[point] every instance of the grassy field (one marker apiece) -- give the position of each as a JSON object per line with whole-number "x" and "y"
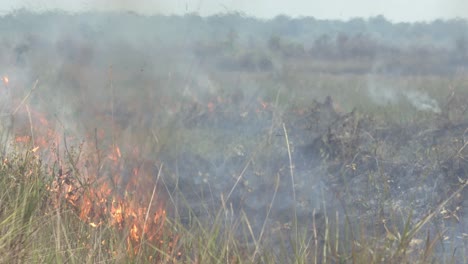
{"x": 122, "y": 152}
{"x": 43, "y": 223}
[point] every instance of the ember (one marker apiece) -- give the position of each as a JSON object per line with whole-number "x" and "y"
{"x": 5, "y": 80}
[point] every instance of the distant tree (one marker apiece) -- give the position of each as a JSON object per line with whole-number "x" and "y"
{"x": 356, "y": 25}
{"x": 281, "y": 19}
{"x": 20, "y": 51}
{"x": 286, "y": 49}
{"x": 379, "y": 25}
{"x": 274, "y": 43}
{"x": 232, "y": 38}
{"x": 461, "y": 49}
{"x": 379, "y": 21}
{"x": 342, "y": 45}
{"x": 286, "y": 26}
{"x": 323, "y": 46}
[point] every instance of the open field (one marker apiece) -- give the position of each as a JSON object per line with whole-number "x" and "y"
{"x": 126, "y": 141}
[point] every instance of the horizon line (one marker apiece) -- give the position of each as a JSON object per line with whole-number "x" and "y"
{"x": 23, "y": 10}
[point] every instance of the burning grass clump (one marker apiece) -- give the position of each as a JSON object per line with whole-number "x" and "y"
{"x": 53, "y": 214}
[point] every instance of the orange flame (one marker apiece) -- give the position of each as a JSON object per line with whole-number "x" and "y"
{"x": 22, "y": 139}
{"x": 264, "y": 104}
{"x": 5, "y": 80}
{"x": 115, "y": 155}
{"x": 94, "y": 197}
{"x": 139, "y": 219}
{"x": 211, "y": 107}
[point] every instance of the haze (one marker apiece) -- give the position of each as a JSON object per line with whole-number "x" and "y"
{"x": 398, "y": 10}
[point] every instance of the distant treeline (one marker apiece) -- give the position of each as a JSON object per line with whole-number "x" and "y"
{"x": 441, "y": 33}
{"x": 236, "y": 41}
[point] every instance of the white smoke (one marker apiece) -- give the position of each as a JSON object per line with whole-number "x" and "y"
{"x": 422, "y": 101}
{"x": 384, "y": 94}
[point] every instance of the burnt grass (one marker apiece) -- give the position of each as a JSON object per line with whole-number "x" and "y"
{"x": 350, "y": 168}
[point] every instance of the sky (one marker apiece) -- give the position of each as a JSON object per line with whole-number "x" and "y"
{"x": 395, "y": 10}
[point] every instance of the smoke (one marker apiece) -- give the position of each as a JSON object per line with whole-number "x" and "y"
{"x": 422, "y": 101}
{"x": 384, "y": 94}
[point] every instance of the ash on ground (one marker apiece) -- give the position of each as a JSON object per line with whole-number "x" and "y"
{"x": 346, "y": 167}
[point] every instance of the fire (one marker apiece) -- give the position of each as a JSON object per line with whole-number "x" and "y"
{"x": 211, "y": 107}
{"x": 105, "y": 184}
{"x": 22, "y": 139}
{"x": 115, "y": 155}
{"x": 135, "y": 211}
{"x": 262, "y": 106}
{"x": 5, "y": 80}
{"x": 99, "y": 190}
{"x": 134, "y": 234}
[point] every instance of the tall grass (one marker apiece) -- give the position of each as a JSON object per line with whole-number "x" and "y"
{"x": 35, "y": 229}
